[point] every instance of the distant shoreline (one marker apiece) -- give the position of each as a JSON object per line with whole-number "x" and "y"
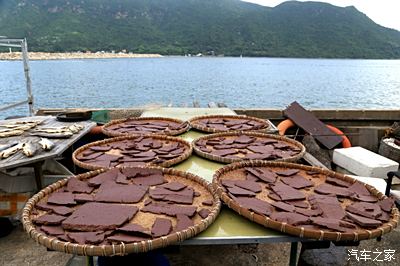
{"x": 73, "y": 55}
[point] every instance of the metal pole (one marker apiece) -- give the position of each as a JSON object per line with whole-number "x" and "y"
{"x": 25, "y": 59}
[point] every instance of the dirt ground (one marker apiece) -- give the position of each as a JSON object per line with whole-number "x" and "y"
{"x": 18, "y": 249}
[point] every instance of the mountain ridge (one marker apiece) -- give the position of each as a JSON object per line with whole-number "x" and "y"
{"x": 178, "y": 27}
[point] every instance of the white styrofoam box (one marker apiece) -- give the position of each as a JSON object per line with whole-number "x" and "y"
{"x": 363, "y": 162}
{"x": 377, "y": 183}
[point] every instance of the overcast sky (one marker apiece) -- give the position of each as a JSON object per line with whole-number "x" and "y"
{"x": 383, "y": 12}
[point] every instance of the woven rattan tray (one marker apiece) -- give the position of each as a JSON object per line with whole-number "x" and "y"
{"x": 109, "y": 130}
{"x": 166, "y": 140}
{"x": 198, "y": 184}
{"x": 237, "y": 171}
{"x": 292, "y": 158}
{"x": 194, "y": 122}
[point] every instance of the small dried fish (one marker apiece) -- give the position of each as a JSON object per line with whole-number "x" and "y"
{"x": 46, "y": 144}
{"x": 75, "y": 128}
{"x": 10, "y": 151}
{"x": 29, "y": 149}
{"x": 8, "y": 145}
{"x": 10, "y": 133}
{"x": 63, "y": 135}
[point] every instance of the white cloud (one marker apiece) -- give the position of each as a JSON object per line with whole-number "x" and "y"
{"x": 383, "y": 12}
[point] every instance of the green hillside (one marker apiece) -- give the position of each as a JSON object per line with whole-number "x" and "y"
{"x": 229, "y": 27}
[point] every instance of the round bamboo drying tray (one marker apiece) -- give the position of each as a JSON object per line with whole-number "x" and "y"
{"x": 119, "y": 249}
{"x": 112, "y": 133}
{"x": 356, "y": 235}
{"x": 199, "y": 127}
{"x": 167, "y": 163}
{"x": 221, "y": 159}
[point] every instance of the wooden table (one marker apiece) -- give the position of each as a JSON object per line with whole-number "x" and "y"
{"x": 36, "y": 161}
{"x": 229, "y": 227}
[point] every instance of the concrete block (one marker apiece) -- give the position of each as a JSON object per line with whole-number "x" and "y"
{"x": 363, "y": 162}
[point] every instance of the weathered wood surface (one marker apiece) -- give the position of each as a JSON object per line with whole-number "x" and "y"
{"x": 311, "y": 124}
{"x": 61, "y": 145}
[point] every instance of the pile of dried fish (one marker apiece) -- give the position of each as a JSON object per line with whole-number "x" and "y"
{"x": 57, "y": 132}
{"x": 17, "y": 128}
{"x": 28, "y": 148}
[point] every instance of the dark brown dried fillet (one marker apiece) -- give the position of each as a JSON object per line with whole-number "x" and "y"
{"x": 224, "y": 152}
{"x": 244, "y": 139}
{"x": 61, "y": 210}
{"x": 75, "y": 185}
{"x": 54, "y": 230}
{"x": 386, "y": 204}
{"x": 49, "y": 219}
{"x": 286, "y": 192}
{"x": 83, "y": 197}
{"x": 365, "y": 209}
{"x": 256, "y": 205}
{"x": 135, "y": 229}
{"x": 297, "y": 181}
{"x": 151, "y": 180}
{"x": 62, "y": 198}
{"x": 161, "y": 227}
{"x": 249, "y": 185}
{"x": 288, "y": 172}
{"x": 208, "y": 202}
{"x": 121, "y": 179}
{"x": 385, "y": 217}
{"x": 366, "y": 198}
{"x": 112, "y": 192}
{"x": 204, "y": 213}
{"x": 309, "y": 212}
{"x": 86, "y": 237}
{"x": 169, "y": 209}
{"x": 290, "y": 218}
{"x": 329, "y": 205}
{"x": 298, "y": 203}
{"x": 283, "y": 206}
{"x": 329, "y": 223}
{"x": 93, "y": 216}
{"x": 359, "y": 189}
{"x": 91, "y": 156}
{"x": 363, "y": 221}
{"x": 237, "y": 191}
{"x": 100, "y": 148}
{"x": 265, "y": 175}
{"x": 328, "y": 189}
{"x": 274, "y": 196}
{"x": 174, "y": 186}
{"x": 337, "y": 182}
{"x": 261, "y": 149}
{"x": 109, "y": 175}
{"x": 183, "y": 222}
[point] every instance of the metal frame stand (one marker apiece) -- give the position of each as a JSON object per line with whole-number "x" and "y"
{"x": 20, "y": 43}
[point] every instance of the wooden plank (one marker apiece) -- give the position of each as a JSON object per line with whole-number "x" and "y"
{"x": 313, "y": 161}
{"x": 61, "y": 145}
{"x": 312, "y": 125}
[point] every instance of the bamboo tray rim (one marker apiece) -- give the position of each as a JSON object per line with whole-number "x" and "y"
{"x": 118, "y": 249}
{"x": 167, "y": 163}
{"x": 247, "y": 133}
{"x": 359, "y": 234}
{"x": 112, "y": 133}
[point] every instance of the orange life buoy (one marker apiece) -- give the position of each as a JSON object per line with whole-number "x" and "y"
{"x": 96, "y": 130}
{"x": 285, "y": 124}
